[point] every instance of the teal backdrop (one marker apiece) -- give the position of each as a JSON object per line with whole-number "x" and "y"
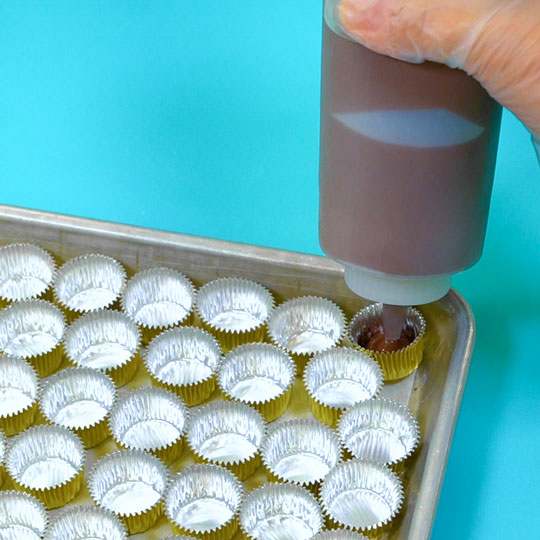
{"x": 202, "y": 117}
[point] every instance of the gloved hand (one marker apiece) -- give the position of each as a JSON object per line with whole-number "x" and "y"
{"x": 496, "y": 41}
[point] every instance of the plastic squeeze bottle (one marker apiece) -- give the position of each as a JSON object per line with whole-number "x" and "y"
{"x": 407, "y": 158}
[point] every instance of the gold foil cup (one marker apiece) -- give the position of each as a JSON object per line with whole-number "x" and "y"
{"x": 86, "y": 523}
{"x": 19, "y": 389}
{"x": 131, "y": 484}
{"x": 22, "y": 517}
{"x": 79, "y": 399}
{"x": 235, "y": 310}
{"x": 88, "y": 283}
{"x": 339, "y": 535}
{"x": 229, "y": 434}
{"x": 300, "y": 451}
{"x": 260, "y": 375}
{"x": 380, "y": 430}
{"x": 395, "y": 365}
{"x": 159, "y": 298}
{"x": 184, "y": 360}
{"x": 150, "y": 419}
{"x": 176, "y": 537}
{"x": 337, "y": 379}
{"x": 203, "y": 501}
{"x": 305, "y": 326}
{"x": 361, "y": 495}
{"x": 26, "y": 272}
{"x": 33, "y": 329}
{"x": 105, "y": 340}
{"x": 47, "y": 462}
{"x": 283, "y": 511}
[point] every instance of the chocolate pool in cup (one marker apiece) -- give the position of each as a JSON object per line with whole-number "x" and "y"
{"x": 105, "y": 340}
{"x": 203, "y": 501}
{"x": 283, "y": 511}
{"x": 22, "y": 517}
{"x": 79, "y": 399}
{"x": 158, "y": 298}
{"x": 88, "y": 282}
{"x": 131, "y": 484}
{"x": 47, "y": 462}
{"x": 185, "y": 361}
{"x": 260, "y": 375}
{"x": 33, "y": 329}
{"x": 235, "y": 310}
{"x": 337, "y": 379}
{"x": 150, "y": 419}
{"x": 229, "y": 434}
{"x": 26, "y": 272}
{"x": 86, "y": 523}
{"x": 361, "y": 495}
{"x": 305, "y": 326}
{"x": 19, "y": 389}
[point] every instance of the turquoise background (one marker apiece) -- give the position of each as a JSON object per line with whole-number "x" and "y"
{"x": 202, "y": 117}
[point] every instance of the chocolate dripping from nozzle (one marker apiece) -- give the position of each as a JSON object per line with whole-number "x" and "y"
{"x": 393, "y": 318}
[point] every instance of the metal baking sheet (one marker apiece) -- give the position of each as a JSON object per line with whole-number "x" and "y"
{"x": 433, "y": 393}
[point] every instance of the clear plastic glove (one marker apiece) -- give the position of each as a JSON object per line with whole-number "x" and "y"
{"x": 496, "y": 41}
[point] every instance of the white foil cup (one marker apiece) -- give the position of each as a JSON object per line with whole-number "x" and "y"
{"x": 33, "y": 329}
{"x": 235, "y": 310}
{"x": 47, "y": 462}
{"x": 379, "y": 430}
{"x": 280, "y": 511}
{"x": 361, "y": 495}
{"x": 300, "y": 451}
{"x": 150, "y": 419}
{"x": 229, "y": 434}
{"x": 204, "y": 500}
{"x": 26, "y": 272}
{"x": 89, "y": 282}
{"x": 86, "y": 523}
{"x": 19, "y": 389}
{"x": 3, "y": 444}
{"x": 106, "y": 340}
{"x": 305, "y": 326}
{"x": 22, "y": 517}
{"x": 260, "y": 375}
{"x": 131, "y": 484}
{"x": 339, "y": 535}
{"x": 339, "y": 378}
{"x": 79, "y": 399}
{"x": 159, "y": 298}
{"x": 184, "y": 360}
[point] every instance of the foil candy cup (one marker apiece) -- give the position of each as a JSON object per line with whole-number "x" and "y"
{"x": 21, "y": 516}
{"x": 305, "y": 326}
{"x": 337, "y": 379}
{"x": 339, "y": 535}
{"x": 283, "y": 511}
{"x": 260, "y": 375}
{"x": 86, "y": 523}
{"x": 3, "y": 444}
{"x": 379, "y": 430}
{"x": 204, "y": 500}
{"x": 33, "y": 329}
{"x": 235, "y": 310}
{"x": 79, "y": 399}
{"x": 87, "y": 283}
{"x": 105, "y": 340}
{"x": 131, "y": 484}
{"x": 19, "y": 390}
{"x": 300, "y": 451}
{"x": 158, "y": 298}
{"x": 184, "y": 360}
{"x": 395, "y": 365}
{"x": 26, "y": 272}
{"x": 176, "y": 537}
{"x": 361, "y": 495}
{"x": 229, "y": 434}
{"x": 150, "y": 419}
{"x": 47, "y": 462}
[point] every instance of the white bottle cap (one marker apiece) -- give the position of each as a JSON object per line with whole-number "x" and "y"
{"x": 395, "y": 290}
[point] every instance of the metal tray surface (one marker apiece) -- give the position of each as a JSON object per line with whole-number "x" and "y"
{"x": 434, "y": 392}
